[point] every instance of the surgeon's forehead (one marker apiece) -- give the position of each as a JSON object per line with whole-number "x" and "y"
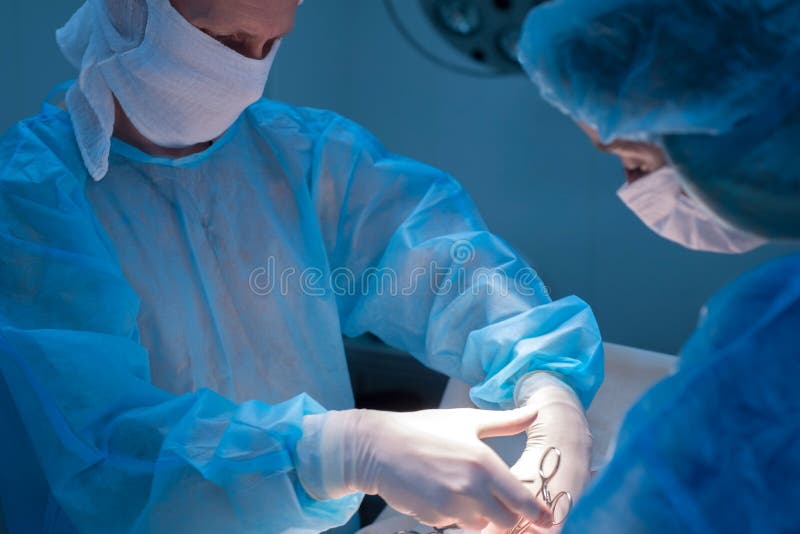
{"x": 259, "y": 18}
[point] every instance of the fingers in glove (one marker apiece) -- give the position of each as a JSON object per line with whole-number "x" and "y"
{"x": 432, "y": 519}
{"x": 505, "y": 423}
{"x": 513, "y": 494}
{"x": 476, "y": 523}
{"x": 497, "y": 513}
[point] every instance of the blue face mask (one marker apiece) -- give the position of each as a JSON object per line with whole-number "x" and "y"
{"x": 660, "y": 201}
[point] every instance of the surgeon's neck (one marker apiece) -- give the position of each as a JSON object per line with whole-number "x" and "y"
{"x": 124, "y": 130}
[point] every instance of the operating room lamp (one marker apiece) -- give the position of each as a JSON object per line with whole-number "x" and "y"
{"x": 483, "y": 33}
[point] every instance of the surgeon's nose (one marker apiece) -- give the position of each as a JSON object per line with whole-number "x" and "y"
{"x": 253, "y": 48}
{"x": 266, "y": 48}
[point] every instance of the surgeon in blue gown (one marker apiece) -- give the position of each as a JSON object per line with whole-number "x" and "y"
{"x": 179, "y": 259}
{"x": 701, "y": 100}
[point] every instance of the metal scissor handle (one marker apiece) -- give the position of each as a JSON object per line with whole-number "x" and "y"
{"x": 543, "y": 461}
{"x": 554, "y": 506}
{"x": 545, "y": 476}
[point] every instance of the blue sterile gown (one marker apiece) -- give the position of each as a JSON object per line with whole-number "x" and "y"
{"x": 164, "y": 331}
{"x": 716, "y": 447}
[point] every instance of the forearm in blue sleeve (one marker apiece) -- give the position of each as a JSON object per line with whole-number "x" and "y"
{"x": 432, "y": 280}
{"x": 119, "y": 454}
{"x": 122, "y": 455}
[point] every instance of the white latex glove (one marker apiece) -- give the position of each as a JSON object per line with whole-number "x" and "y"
{"x": 430, "y": 464}
{"x": 560, "y": 423}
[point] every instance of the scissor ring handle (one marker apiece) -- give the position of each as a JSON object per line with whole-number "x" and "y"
{"x": 553, "y": 471}
{"x": 554, "y": 506}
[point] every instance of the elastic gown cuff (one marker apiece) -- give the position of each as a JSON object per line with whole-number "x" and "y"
{"x": 321, "y": 458}
{"x": 533, "y": 387}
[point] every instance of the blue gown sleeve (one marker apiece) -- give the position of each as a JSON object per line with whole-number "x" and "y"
{"x": 413, "y": 263}
{"x": 119, "y": 454}
{"x": 716, "y": 447}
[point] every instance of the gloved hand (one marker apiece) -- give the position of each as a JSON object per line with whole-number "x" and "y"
{"x": 560, "y": 423}
{"x": 429, "y": 464}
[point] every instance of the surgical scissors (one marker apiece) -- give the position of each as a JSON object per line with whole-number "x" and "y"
{"x": 545, "y": 475}
{"x": 552, "y": 502}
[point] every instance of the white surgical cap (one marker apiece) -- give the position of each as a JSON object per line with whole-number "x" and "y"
{"x": 98, "y": 31}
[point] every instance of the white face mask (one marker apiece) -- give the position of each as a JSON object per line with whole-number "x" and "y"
{"x": 659, "y": 200}
{"x": 180, "y": 87}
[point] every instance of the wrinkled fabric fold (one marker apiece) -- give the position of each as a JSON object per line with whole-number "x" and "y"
{"x": 723, "y": 433}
